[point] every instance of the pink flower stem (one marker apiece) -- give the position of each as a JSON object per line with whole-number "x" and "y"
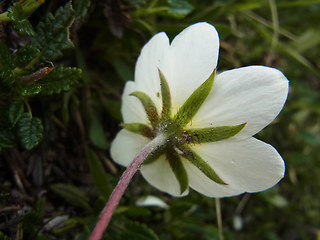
{"x": 123, "y": 183}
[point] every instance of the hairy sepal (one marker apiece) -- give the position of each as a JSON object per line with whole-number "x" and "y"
{"x": 138, "y": 128}
{"x": 149, "y": 106}
{"x": 213, "y": 134}
{"x": 191, "y": 106}
{"x": 202, "y": 165}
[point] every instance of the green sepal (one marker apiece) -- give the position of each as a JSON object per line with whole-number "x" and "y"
{"x": 149, "y": 106}
{"x": 194, "y": 102}
{"x": 178, "y": 170}
{"x": 138, "y": 128}
{"x": 212, "y": 134}
{"x": 202, "y": 165}
{"x": 166, "y": 96}
{"x": 153, "y": 156}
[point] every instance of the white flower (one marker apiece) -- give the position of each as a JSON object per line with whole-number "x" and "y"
{"x": 210, "y": 146}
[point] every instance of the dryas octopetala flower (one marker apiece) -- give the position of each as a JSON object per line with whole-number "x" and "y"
{"x": 208, "y": 118}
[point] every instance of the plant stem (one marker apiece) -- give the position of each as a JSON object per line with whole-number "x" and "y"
{"x": 219, "y": 218}
{"x": 124, "y": 181}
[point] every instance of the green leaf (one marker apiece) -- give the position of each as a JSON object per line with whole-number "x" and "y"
{"x": 138, "y": 128}
{"x": 100, "y": 178}
{"x": 148, "y": 105}
{"x": 132, "y": 230}
{"x": 166, "y": 96}
{"x": 213, "y": 134}
{"x": 59, "y": 79}
{"x": 52, "y": 35}
{"x": 72, "y": 195}
{"x": 178, "y": 170}
{"x": 19, "y": 18}
{"x": 30, "y": 90}
{"x": 6, "y": 64}
{"x": 194, "y": 102}
{"x": 96, "y": 133}
{"x": 15, "y": 112}
{"x": 202, "y": 165}
{"x": 81, "y": 8}
{"x": 25, "y": 54}
{"x": 179, "y": 8}
{"x": 7, "y": 138}
{"x": 29, "y": 131}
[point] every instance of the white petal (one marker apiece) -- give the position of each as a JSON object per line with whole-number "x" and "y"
{"x": 131, "y": 108}
{"x": 192, "y": 57}
{"x": 126, "y": 146}
{"x": 146, "y": 71}
{"x": 254, "y": 95}
{"x": 151, "y": 201}
{"x": 160, "y": 175}
{"x": 247, "y": 165}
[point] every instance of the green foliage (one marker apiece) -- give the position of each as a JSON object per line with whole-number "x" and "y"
{"x": 59, "y": 79}
{"x": 81, "y": 8}
{"x": 100, "y": 178}
{"x": 19, "y": 19}
{"x": 24, "y": 71}
{"x": 132, "y": 230}
{"x": 15, "y": 112}
{"x": 40, "y": 88}
{"x": 6, "y": 65}
{"x": 72, "y": 195}
{"x": 53, "y": 34}
{"x": 29, "y": 131}
{"x": 179, "y": 8}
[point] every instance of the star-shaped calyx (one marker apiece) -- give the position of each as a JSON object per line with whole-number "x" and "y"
{"x": 178, "y": 146}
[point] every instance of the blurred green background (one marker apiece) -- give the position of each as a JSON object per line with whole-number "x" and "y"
{"x": 53, "y": 186}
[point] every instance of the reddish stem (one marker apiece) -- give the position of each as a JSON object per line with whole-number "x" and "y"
{"x": 123, "y": 183}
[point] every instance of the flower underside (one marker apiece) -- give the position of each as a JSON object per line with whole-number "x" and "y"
{"x": 179, "y": 140}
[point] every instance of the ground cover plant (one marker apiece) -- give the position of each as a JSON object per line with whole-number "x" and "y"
{"x": 63, "y": 67}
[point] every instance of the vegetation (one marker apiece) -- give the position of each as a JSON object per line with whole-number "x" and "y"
{"x": 63, "y": 66}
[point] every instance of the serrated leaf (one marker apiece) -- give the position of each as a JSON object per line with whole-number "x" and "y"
{"x": 20, "y": 22}
{"x": 30, "y": 90}
{"x": 6, "y": 64}
{"x": 52, "y": 35}
{"x": 71, "y": 194}
{"x": 29, "y": 131}
{"x": 81, "y": 8}
{"x": 25, "y": 54}
{"x": 179, "y": 8}
{"x": 15, "y": 112}
{"x": 59, "y": 79}
{"x": 100, "y": 178}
